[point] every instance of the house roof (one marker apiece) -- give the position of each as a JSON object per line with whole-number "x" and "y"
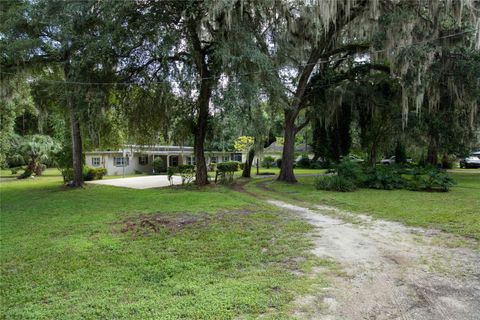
{"x": 154, "y": 149}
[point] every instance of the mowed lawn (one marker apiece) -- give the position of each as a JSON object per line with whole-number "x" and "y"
{"x": 113, "y": 253}
{"x": 457, "y": 211}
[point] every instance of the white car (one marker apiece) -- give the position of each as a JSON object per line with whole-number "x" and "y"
{"x": 391, "y": 160}
{"x": 388, "y": 161}
{"x": 472, "y": 161}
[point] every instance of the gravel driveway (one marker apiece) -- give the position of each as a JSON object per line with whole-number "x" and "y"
{"x": 392, "y": 271}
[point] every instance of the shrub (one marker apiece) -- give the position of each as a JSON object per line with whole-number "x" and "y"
{"x": 90, "y": 174}
{"x": 431, "y": 179}
{"x": 15, "y": 170}
{"x": 278, "y": 162}
{"x": 101, "y": 172}
{"x": 186, "y": 172}
{"x": 334, "y": 183}
{"x": 384, "y": 177}
{"x": 159, "y": 166}
{"x": 268, "y": 162}
{"x": 226, "y": 170}
{"x": 241, "y": 165}
{"x": 304, "y": 162}
{"x": 67, "y": 174}
{"x": 352, "y": 171}
{"x": 212, "y": 167}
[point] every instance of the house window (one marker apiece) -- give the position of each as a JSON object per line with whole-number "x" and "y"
{"x": 143, "y": 160}
{"x": 237, "y": 157}
{"x": 213, "y": 159}
{"x": 173, "y": 161}
{"x": 95, "y": 161}
{"x": 191, "y": 161}
{"x": 120, "y": 162}
{"x": 226, "y": 158}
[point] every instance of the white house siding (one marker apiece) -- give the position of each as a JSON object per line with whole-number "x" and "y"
{"x": 107, "y": 158}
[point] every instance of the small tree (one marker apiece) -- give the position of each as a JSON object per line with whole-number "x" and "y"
{"x": 268, "y": 162}
{"x": 35, "y": 149}
{"x": 243, "y": 143}
{"x": 226, "y": 170}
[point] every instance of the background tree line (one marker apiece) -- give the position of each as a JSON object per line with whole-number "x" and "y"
{"x": 349, "y": 75}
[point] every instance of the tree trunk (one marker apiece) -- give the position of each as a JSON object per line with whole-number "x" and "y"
{"x": 248, "y": 163}
{"x": 251, "y": 154}
{"x": 372, "y": 157}
{"x": 432, "y": 153}
{"x": 288, "y": 156}
{"x": 30, "y": 169}
{"x": 77, "y": 156}
{"x": 201, "y": 173}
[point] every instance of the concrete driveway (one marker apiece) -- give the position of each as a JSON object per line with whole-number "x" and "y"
{"x": 143, "y": 182}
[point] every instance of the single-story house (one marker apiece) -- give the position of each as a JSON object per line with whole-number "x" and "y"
{"x": 135, "y": 158}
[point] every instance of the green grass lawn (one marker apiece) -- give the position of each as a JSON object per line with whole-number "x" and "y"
{"x": 457, "y": 211}
{"x": 106, "y": 252}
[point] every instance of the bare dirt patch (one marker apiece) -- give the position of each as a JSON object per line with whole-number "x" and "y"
{"x": 389, "y": 273}
{"x": 145, "y": 224}
{"x": 154, "y": 223}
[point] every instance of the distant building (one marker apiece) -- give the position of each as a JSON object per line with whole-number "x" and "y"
{"x": 134, "y": 158}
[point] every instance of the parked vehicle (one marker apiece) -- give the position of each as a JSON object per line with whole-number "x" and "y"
{"x": 388, "y": 161}
{"x": 353, "y": 158}
{"x": 471, "y": 161}
{"x": 391, "y": 160}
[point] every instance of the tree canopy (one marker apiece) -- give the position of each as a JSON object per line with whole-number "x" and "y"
{"x": 348, "y": 74}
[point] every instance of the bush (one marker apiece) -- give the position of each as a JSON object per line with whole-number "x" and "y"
{"x": 241, "y": 165}
{"x": 171, "y": 171}
{"x": 268, "y": 162}
{"x": 304, "y": 162}
{"x": 385, "y": 177}
{"x": 334, "y": 183}
{"x": 101, "y": 172}
{"x": 431, "y": 179}
{"x": 186, "y": 172}
{"x": 212, "y": 167}
{"x": 159, "y": 166}
{"x": 352, "y": 171}
{"x": 90, "y": 174}
{"x": 15, "y": 170}
{"x": 226, "y": 170}
{"x": 67, "y": 174}
{"x": 278, "y": 162}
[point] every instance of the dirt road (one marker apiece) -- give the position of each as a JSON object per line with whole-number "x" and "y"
{"x": 392, "y": 271}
